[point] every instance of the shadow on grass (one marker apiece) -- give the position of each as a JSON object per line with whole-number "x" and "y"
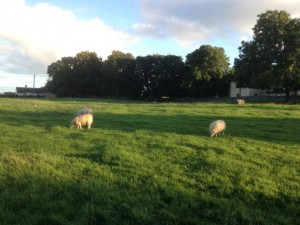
{"x": 45, "y": 119}
{"x": 94, "y": 154}
{"x": 279, "y": 130}
{"x": 264, "y": 129}
{"x": 96, "y": 100}
{"x": 87, "y": 197}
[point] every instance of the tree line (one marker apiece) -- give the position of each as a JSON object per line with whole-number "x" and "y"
{"x": 204, "y": 74}
{"x": 270, "y": 61}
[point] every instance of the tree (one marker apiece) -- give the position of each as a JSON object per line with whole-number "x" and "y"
{"x": 245, "y": 67}
{"x": 119, "y": 73}
{"x": 170, "y": 78}
{"x": 159, "y": 75}
{"x": 208, "y": 66}
{"x": 78, "y": 76}
{"x": 60, "y": 76}
{"x": 272, "y": 58}
{"x": 87, "y": 76}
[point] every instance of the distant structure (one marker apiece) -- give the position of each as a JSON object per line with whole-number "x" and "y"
{"x": 245, "y": 92}
{"x": 33, "y": 92}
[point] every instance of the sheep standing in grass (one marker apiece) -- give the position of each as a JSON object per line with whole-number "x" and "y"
{"x": 85, "y": 111}
{"x": 82, "y": 120}
{"x": 240, "y": 101}
{"x": 217, "y": 127}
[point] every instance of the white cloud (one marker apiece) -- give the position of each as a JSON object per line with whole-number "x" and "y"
{"x": 148, "y": 29}
{"x": 193, "y": 21}
{"x": 31, "y": 38}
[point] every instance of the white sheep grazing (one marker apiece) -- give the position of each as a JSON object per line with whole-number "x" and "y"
{"x": 240, "y": 101}
{"x": 85, "y": 111}
{"x": 217, "y": 127}
{"x": 82, "y": 120}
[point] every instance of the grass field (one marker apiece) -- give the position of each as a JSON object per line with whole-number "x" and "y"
{"x": 148, "y": 163}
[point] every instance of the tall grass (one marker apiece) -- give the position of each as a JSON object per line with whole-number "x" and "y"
{"x": 148, "y": 163}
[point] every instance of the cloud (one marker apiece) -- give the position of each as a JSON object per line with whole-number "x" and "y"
{"x": 31, "y": 38}
{"x": 148, "y": 29}
{"x": 192, "y": 21}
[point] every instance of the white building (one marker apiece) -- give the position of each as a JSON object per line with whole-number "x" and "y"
{"x": 245, "y": 92}
{"x": 33, "y": 92}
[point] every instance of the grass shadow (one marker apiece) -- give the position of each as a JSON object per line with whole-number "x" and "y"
{"x": 94, "y": 197}
{"x": 279, "y": 130}
{"x": 46, "y": 119}
{"x": 96, "y": 100}
{"x": 263, "y": 129}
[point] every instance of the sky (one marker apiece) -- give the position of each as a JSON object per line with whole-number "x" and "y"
{"x": 36, "y": 33}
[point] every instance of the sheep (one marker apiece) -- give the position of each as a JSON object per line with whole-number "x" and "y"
{"x": 79, "y": 121}
{"x": 240, "y": 101}
{"x": 217, "y": 127}
{"x": 85, "y": 111}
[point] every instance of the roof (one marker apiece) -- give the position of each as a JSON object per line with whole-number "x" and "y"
{"x": 31, "y": 90}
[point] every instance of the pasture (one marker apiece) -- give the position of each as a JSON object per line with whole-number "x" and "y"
{"x": 148, "y": 163}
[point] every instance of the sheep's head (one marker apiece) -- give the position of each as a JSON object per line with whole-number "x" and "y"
{"x": 73, "y": 123}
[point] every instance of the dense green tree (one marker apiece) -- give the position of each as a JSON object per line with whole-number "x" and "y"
{"x": 271, "y": 60}
{"x": 119, "y": 73}
{"x": 60, "y": 76}
{"x": 88, "y": 75}
{"x": 159, "y": 75}
{"x": 78, "y": 76}
{"x": 245, "y": 67}
{"x": 152, "y": 76}
{"x": 171, "y": 76}
{"x": 208, "y": 66}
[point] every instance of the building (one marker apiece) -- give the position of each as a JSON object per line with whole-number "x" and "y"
{"x": 245, "y": 92}
{"x": 33, "y": 92}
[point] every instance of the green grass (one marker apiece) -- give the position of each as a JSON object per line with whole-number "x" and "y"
{"x": 147, "y": 163}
